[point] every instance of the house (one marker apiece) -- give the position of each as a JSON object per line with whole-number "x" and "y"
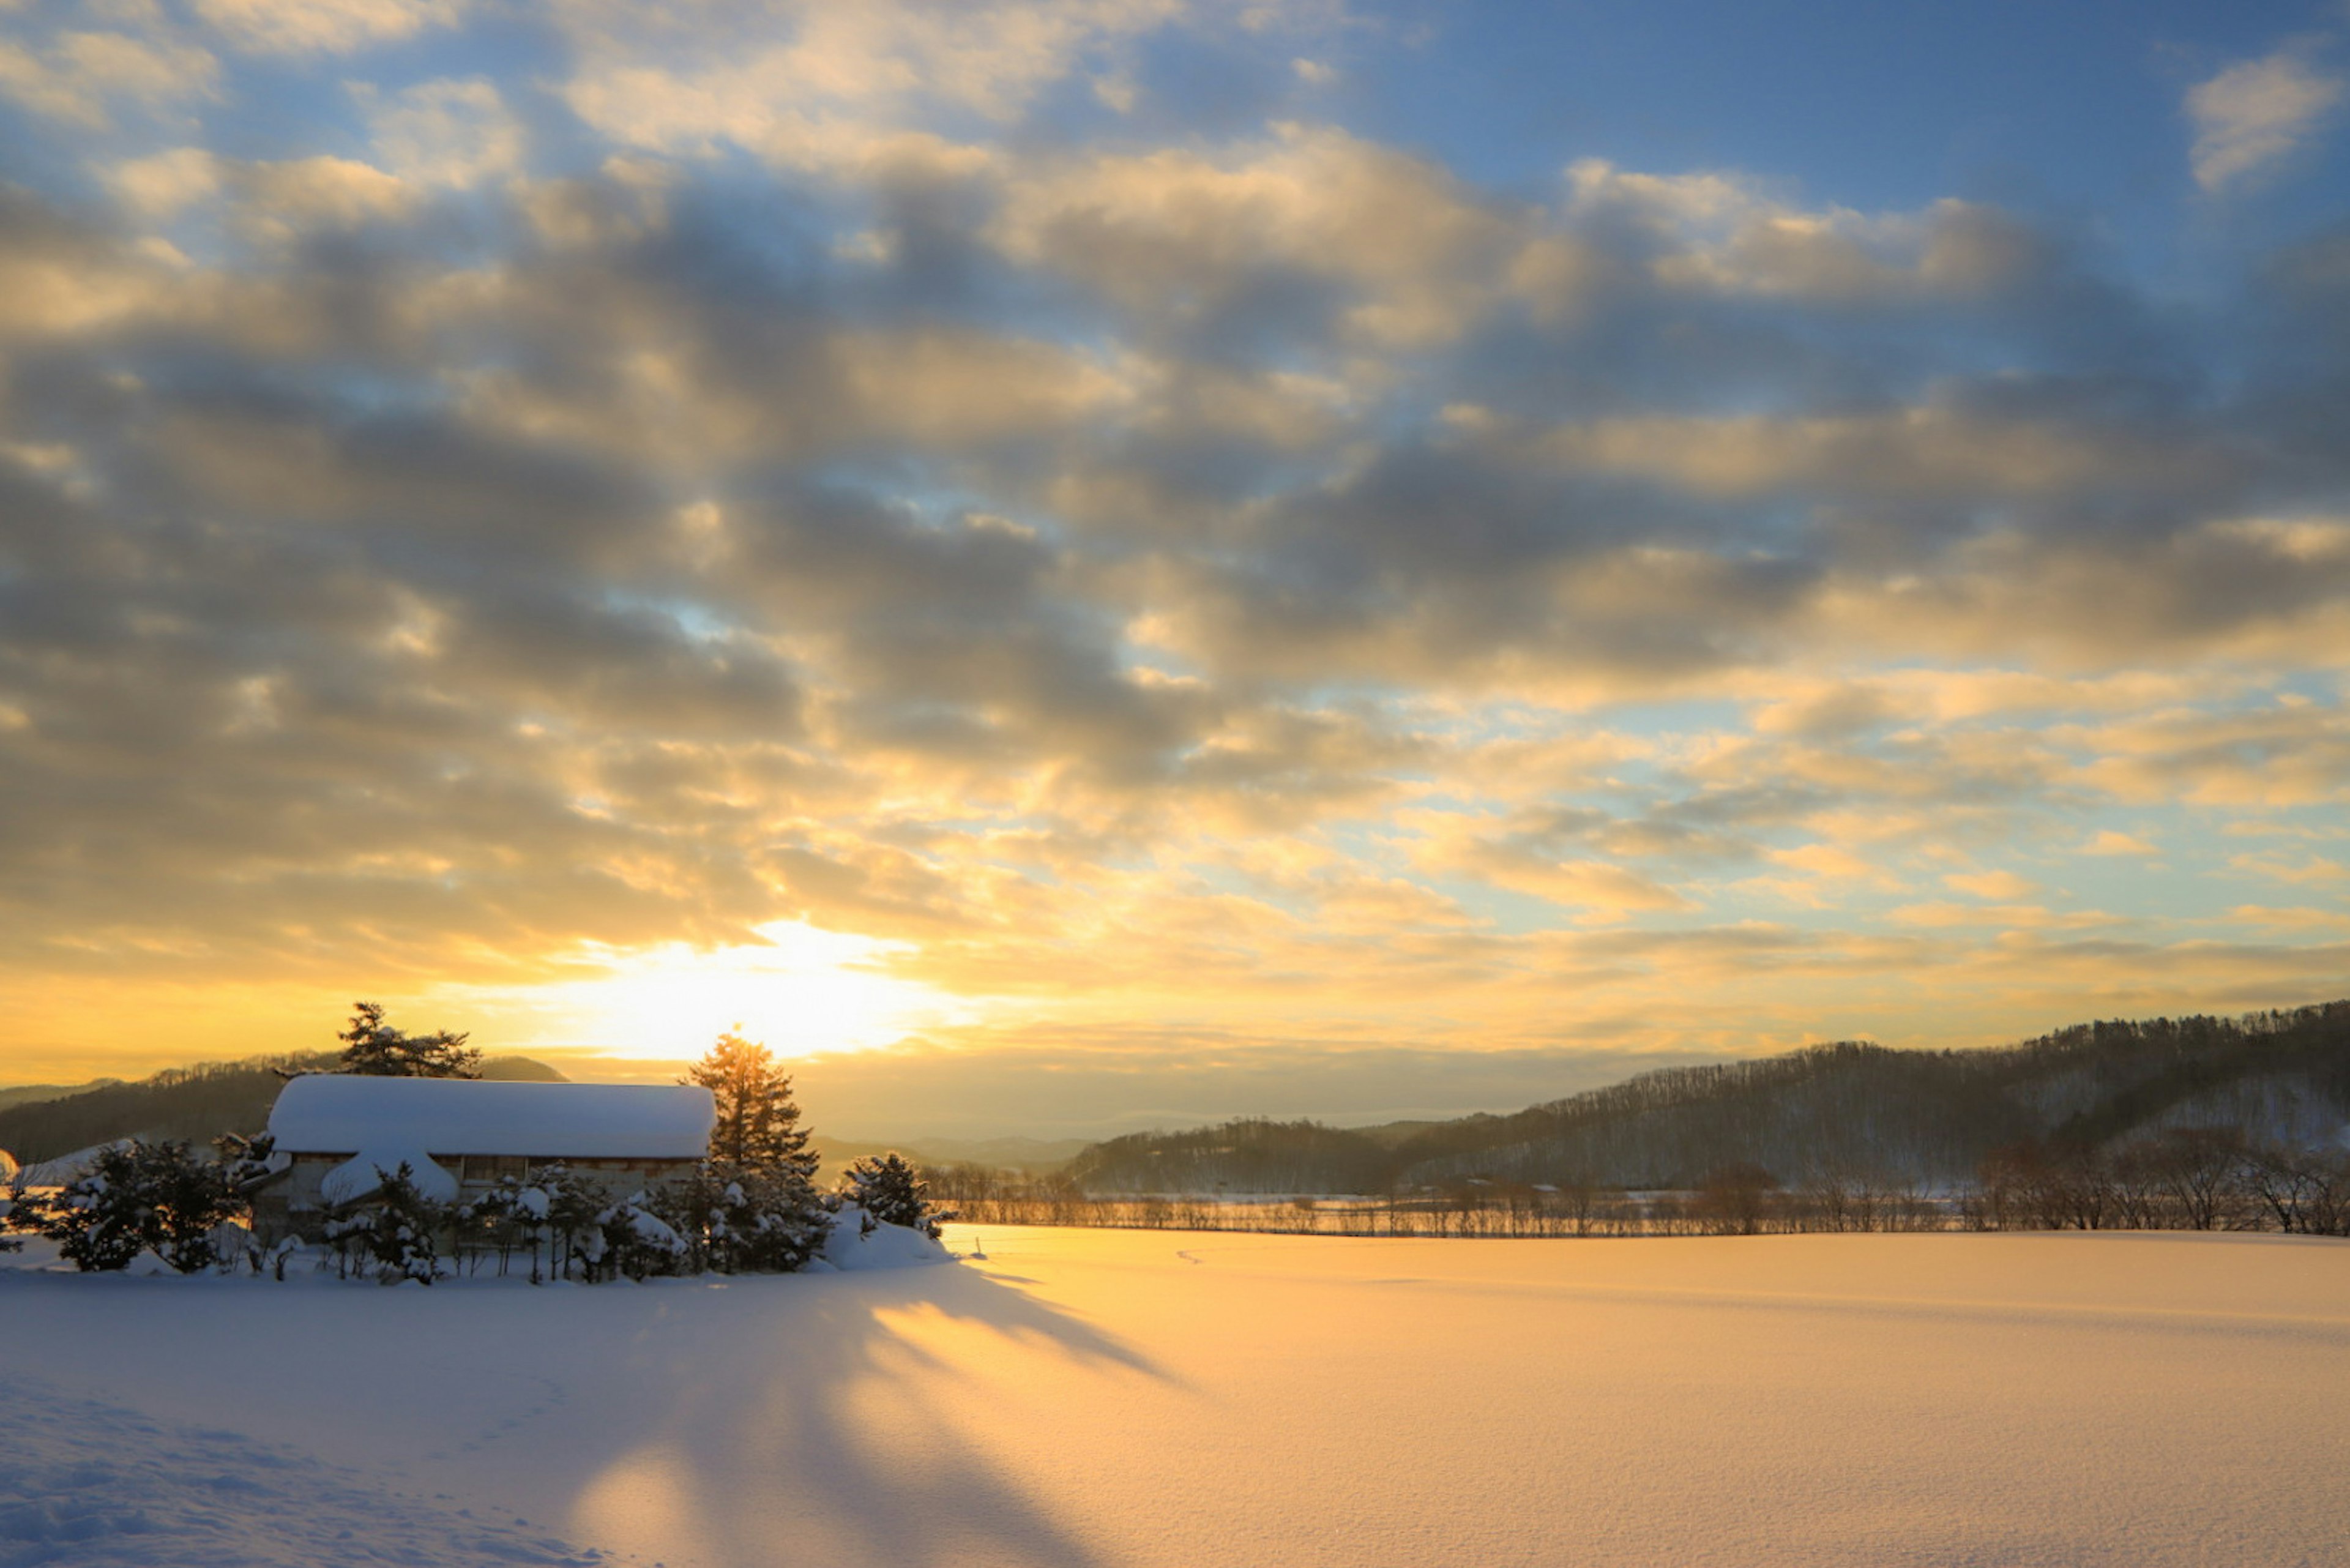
{"x": 460, "y": 1136}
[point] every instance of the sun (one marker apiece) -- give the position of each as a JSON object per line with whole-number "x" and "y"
{"x": 802, "y": 991}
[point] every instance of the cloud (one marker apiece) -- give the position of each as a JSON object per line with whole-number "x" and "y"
{"x": 60, "y": 277}
{"x": 162, "y": 184}
{"x": 1526, "y": 860}
{"x": 1188, "y": 578}
{"x": 1992, "y": 884}
{"x": 1413, "y": 256}
{"x": 2315, "y": 870}
{"x": 82, "y": 80}
{"x": 2289, "y": 754}
{"x": 450, "y": 132}
{"x": 325, "y": 26}
{"x": 1922, "y": 452}
{"x": 815, "y": 86}
{"x": 1721, "y": 233}
{"x": 2253, "y": 115}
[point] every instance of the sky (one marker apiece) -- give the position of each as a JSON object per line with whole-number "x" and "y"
{"x": 1078, "y": 563}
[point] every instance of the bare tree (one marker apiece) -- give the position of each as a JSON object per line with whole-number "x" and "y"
{"x": 2202, "y": 1171}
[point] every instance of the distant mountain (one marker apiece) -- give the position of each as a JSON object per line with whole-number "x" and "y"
{"x": 18, "y": 1094}
{"x": 194, "y": 1104}
{"x": 1248, "y": 1155}
{"x": 520, "y": 1070}
{"x": 1037, "y": 1157}
{"x": 1926, "y": 1115}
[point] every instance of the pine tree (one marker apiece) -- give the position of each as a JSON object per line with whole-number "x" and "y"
{"x": 137, "y": 1198}
{"x": 554, "y": 1210}
{"x": 395, "y": 1227}
{"x": 373, "y": 1048}
{"x": 758, "y": 1129}
{"x": 638, "y": 1242}
{"x": 246, "y": 1158}
{"x": 892, "y": 1192}
{"x": 738, "y": 1222}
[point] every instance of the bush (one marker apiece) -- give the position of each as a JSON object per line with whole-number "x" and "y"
{"x": 559, "y": 1214}
{"x": 744, "y": 1221}
{"x": 395, "y": 1228}
{"x": 637, "y": 1242}
{"x": 138, "y": 1198}
{"x": 890, "y": 1192}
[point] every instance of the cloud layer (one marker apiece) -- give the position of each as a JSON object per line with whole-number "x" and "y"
{"x": 481, "y": 497}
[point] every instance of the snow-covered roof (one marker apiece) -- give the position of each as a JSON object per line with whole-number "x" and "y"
{"x": 325, "y": 1113}
{"x": 364, "y": 1172}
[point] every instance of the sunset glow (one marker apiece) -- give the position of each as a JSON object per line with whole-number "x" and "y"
{"x": 802, "y": 991}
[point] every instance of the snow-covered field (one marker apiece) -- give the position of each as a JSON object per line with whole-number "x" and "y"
{"x": 1082, "y": 1399}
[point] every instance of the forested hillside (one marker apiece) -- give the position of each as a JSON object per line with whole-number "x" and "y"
{"x": 1918, "y": 1116}
{"x": 1238, "y": 1156}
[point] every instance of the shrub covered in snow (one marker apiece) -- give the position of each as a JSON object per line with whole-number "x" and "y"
{"x": 246, "y": 1160}
{"x": 557, "y": 1214}
{"x": 858, "y": 1241}
{"x": 638, "y": 1242}
{"x": 394, "y": 1231}
{"x": 887, "y": 1190}
{"x": 739, "y": 1221}
{"x": 135, "y": 1198}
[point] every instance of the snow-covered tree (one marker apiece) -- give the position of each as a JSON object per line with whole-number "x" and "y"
{"x": 758, "y": 1130}
{"x": 373, "y": 1048}
{"x": 637, "y": 1242}
{"x": 890, "y": 1192}
{"x": 557, "y": 1212}
{"x": 245, "y": 1159}
{"x": 739, "y": 1221}
{"x": 395, "y": 1228}
{"x": 136, "y": 1198}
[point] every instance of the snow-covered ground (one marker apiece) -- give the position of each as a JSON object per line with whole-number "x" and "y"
{"x": 1084, "y": 1399}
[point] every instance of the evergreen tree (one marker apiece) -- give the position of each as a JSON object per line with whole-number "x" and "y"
{"x": 137, "y": 1198}
{"x": 395, "y": 1227}
{"x": 373, "y": 1048}
{"x": 246, "y": 1157}
{"x": 557, "y": 1212}
{"x": 891, "y": 1192}
{"x": 638, "y": 1242}
{"x": 757, "y": 1131}
{"x": 736, "y": 1221}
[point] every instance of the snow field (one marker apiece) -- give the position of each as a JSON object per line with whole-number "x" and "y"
{"x": 1097, "y": 1399}
{"x": 90, "y": 1484}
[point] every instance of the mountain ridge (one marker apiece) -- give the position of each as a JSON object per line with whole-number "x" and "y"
{"x": 1930, "y": 1116}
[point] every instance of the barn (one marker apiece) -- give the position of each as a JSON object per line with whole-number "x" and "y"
{"x": 460, "y": 1136}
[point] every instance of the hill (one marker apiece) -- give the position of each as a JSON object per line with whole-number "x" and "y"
{"x": 1032, "y": 1156}
{"x": 19, "y": 1094}
{"x": 1922, "y": 1116}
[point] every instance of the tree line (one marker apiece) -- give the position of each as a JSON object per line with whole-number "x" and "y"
{"x": 2183, "y": 1178}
